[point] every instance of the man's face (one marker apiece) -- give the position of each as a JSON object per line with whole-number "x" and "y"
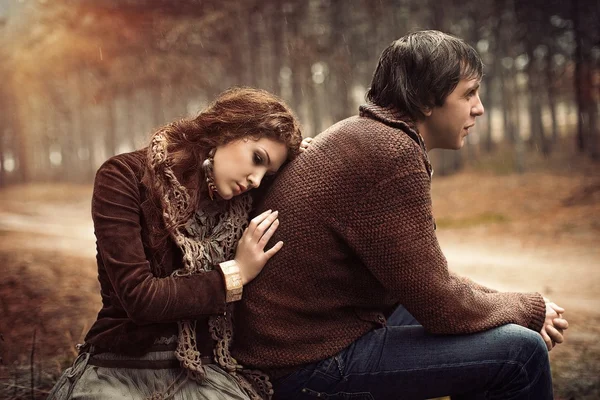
{"x": 447, "y": 126}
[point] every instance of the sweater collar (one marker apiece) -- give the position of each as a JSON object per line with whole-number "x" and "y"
{"x": 395, "y": 118}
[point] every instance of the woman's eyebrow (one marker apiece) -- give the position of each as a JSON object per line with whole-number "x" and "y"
{"x": 267, "y": 153}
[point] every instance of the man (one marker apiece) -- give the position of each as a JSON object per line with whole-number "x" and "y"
{"x": 334, "y": 314}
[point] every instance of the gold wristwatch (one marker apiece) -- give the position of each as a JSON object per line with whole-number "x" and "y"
{"x": 233, "y": 280}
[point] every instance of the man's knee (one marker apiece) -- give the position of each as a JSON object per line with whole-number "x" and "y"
{"x": 522, "y": 343}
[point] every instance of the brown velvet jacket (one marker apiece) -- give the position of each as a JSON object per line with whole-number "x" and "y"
{"x": 140, "y": 300}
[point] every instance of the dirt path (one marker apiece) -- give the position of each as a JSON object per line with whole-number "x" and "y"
{"x": 569, "y": 274}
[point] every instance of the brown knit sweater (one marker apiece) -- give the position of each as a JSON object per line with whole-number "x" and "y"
{"x": 358, "y": 233}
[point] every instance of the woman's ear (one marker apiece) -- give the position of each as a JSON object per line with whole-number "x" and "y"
{"x": 427, "y": 111}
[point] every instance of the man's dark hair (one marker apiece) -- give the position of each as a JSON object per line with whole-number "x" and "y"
{"x": 419, "y": 70}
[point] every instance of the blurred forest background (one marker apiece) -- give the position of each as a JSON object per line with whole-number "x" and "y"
{"x": 84, "y": 80}
{"x": 518, "y": 208}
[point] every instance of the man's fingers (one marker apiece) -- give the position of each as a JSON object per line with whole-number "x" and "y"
{"x": 554, "y": 334}
{"x": 271, "y": 252}
{"x": 557, "y": 308}
{"x": 547, "y": 339}
{"x": 560, "y": 323}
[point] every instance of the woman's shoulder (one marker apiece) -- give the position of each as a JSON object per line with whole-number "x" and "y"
{"x": 125, "y": 168}
{"x": 131, "y": 163}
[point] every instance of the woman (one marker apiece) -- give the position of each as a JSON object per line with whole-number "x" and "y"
{"x": 174, "y": 253}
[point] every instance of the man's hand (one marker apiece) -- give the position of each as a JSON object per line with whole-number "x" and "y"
{"x": 554, "y": 325}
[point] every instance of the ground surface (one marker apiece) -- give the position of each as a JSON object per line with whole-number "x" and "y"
{"x": 534, "y": 232}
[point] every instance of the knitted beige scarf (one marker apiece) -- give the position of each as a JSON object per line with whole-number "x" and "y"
{"x": 208, "y": 238}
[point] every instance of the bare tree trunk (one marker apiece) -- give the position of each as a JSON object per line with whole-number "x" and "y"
{"x": 551, "y": 85}
{"x": 83, "y": 97}
{"x": 68, "y": 146}
{"x": 299, "y": 64}
{"x": 254, "y": 48}
{"x": 157, "y": 109}
{"x": 276, "y": 21}
{"x": 509, "y": 127}
{"x": 4, "y": 126}
{"x": 341, "y": 71}
{"x": 130, "y": 108}
{"x": 316, "y": 96}
{"x": 240, "y": 63}
{"x": 111, "y": 122}
{"x": 519, "y": 145}
{"x": 579, "y": 73}
{"x": 538, "y": 137}
{"x": 22, "y": 159}
{"x": 594, "y": 129}
{"x": 2, "y": 160}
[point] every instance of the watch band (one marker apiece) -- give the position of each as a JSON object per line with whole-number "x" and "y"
{"x": 233, "y": 280}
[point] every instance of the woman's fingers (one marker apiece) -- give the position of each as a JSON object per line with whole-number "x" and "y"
{"x": 271, "y": 252}
{"x": 305, "y": 143}
{"x": 264, "y": 225}
{"x": 268, "y": 234}
{"x": 256, "y": 221}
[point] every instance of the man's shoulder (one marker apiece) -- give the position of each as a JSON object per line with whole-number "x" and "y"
{"x": 375, "y": 142}
{"x": 369, "y": 130}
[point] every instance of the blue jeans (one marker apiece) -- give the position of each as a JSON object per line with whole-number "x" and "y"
{"x": 402, "y": 361}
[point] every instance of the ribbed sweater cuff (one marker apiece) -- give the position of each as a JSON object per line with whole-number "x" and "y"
{"x": 538, "y": 311}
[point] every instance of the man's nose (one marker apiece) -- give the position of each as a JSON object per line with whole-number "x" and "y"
{"x": 478, "y": 108}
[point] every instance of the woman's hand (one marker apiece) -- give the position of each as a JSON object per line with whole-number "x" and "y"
{"x": 250, "y": 254}
{"x": 305, "y": 144}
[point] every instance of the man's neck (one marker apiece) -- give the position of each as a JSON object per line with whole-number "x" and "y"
{"x": 422, "y": 129}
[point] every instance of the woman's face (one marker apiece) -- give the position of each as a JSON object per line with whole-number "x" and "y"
{"x": 241, "y": 165}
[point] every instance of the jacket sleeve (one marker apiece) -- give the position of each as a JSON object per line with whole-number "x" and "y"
{"x": 391, "y": 229}
{"x": 146, "y": 298}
